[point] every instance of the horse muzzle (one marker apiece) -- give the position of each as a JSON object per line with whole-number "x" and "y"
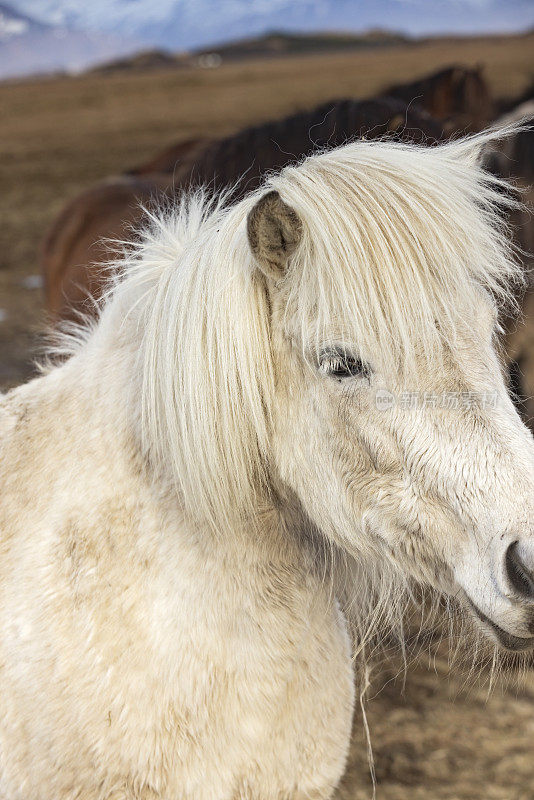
{"x": 504, "y": 603}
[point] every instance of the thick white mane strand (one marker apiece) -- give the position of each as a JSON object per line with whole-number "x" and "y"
{"x": 395, "y": 238}
{"x": 205, "y": 358}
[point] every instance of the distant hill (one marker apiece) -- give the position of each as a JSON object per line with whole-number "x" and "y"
{"x": 29, "y": 46}
{"x": 277, "y": 43}
{"x": 271, "y": 45}
{"x": 144, "y": 61}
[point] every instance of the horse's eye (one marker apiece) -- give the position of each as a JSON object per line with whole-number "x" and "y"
{"x": 343, "y": 365}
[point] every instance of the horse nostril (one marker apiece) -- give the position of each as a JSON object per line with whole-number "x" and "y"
{"x": 519, "y": 575}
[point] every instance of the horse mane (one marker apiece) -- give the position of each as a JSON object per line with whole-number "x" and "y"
{"x": 515, "y": 155}
{"x": 200, "y": 304}
{"x": 395, "y": 237}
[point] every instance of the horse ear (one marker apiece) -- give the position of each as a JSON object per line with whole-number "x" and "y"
{"x": 274, "y": 231}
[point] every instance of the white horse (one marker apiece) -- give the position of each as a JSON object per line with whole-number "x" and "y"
{"x": 303, "y": 379}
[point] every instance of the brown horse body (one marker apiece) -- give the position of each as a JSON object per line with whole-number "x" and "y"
{"x": 77, "y": 247}
{"x": 242, "y": 160}
{"x": 79, "y": 243}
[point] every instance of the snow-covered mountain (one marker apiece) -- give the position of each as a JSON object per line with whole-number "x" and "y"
{"x": 191, "y": 23}
{"x": 29, "y": 45}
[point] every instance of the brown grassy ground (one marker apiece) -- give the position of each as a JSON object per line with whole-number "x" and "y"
{"x": 438, "y": 734}
{"x": 58, "y": 136}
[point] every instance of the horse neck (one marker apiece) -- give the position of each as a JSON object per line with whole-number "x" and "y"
{"x": 103, "y": 371}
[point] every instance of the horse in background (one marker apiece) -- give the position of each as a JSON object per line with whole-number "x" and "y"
{"x": 449, "y": 96}
{"x": 248, "y": 155}
{"x": 250, "y": 481}
{"x": 75, "y": 250}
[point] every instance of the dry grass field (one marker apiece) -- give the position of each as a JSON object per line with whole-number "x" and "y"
{"x": 439, "y": 734}
{"x": 434, "y": 740}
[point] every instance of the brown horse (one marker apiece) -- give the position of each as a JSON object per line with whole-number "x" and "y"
{"x": 75, "y": 250}
{"x": 78, "y": 244}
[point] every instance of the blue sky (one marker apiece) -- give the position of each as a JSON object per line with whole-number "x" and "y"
{"x": 91, "y": 31}
{"x": 185, "y": 23}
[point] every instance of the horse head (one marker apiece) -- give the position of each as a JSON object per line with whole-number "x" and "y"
{"x": 392, "y": 422}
